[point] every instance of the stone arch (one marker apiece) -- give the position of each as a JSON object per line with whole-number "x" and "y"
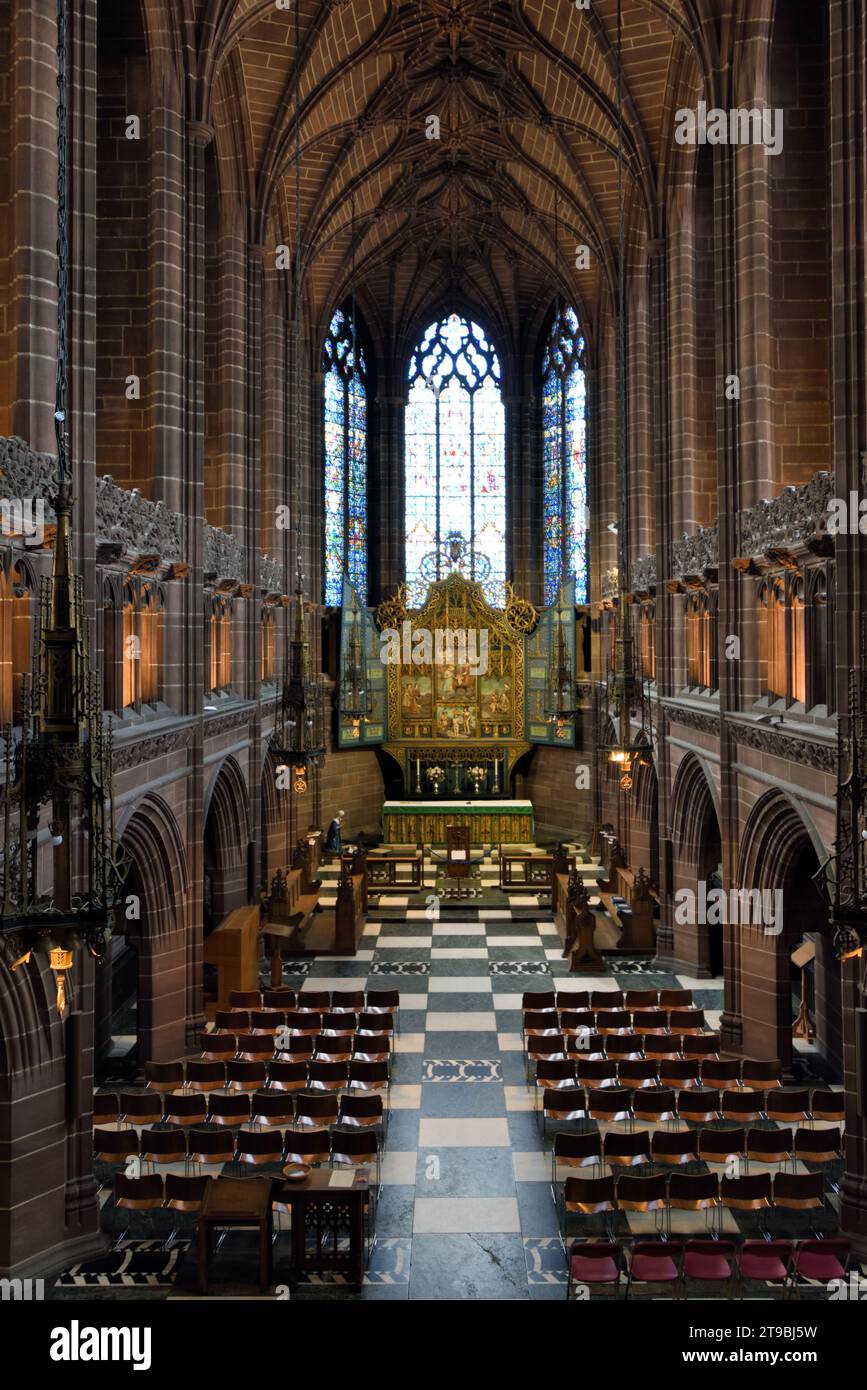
{"x": 31, "y": 1033}
{"x": 153, "y": 838}
{"x": 644, "y": 836}
{"x": 155, "y": 935}
{"x": 773, "y": 836}
{"x": 227, "y": 837}
{"x": 780, "y": 853}
{"x": 697, "y": 853}
{"x": 694, "y": 799}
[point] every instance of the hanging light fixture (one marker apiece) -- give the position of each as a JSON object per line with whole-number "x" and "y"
{"x": 625, "y": 696}
{"x": 297, "y": 742}
{"x": 63, "y": 755}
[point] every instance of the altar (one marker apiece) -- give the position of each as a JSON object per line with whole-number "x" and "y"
{"x": 490, "y": 822}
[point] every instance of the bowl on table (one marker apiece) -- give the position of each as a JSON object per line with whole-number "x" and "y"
{"x": 296, "y": 1172}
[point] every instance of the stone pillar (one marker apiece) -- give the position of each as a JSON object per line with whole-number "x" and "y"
{"x": 524, "y": 550}
{"x": 848, "y": 36}
{"x": 728, "y": 503}
{"x": 199, "y": 137}
{"x": 255, "y": 334}
{"x": 660, "y": 368}
{"x": 391, "y": 413}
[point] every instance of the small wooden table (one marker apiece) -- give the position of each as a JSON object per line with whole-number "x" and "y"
{"x": 322, "y": 1216}
{"x": 237, "y": 1202}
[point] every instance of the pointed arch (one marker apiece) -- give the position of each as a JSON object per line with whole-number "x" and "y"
{"x": 151, "y": 834}
{"x": 775, "y": 836}
{"x": 694, "y": 801}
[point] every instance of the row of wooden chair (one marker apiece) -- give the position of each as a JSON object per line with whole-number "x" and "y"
{"x": 690, "y": 1106}
{"x": 225, "y": 1057}
{"x": 786, "y": 1264}
{"x": 355, "y": 1145}
{"x": 267, "y": 1107}
{"x": 661, "y": 1194}
{"x": 557, "y": 1068}
{"x": 667, "y": 1149}
{"x": 631, "y": 1046}
{"x": 307, "y": 1020}
{"x": 573, "y": 1022}
{"x": 632, "y": 999}
{"x": 359, "y": 1073}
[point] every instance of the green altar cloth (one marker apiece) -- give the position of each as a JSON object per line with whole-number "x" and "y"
{"x": 490, "y": 822}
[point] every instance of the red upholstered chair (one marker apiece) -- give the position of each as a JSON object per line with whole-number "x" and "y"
{"x": 820, "y": 1261}
{"x": 710, "y": 1261}
{"x": 655, "y": 1262}
{"x": 765, "y": 1261}
{"x": 594, "y": 1262}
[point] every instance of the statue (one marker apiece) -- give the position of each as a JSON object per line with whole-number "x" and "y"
{"x": 333, "y": 840}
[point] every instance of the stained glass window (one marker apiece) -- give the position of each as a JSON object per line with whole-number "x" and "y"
{"x": 345, "y": 429}
{"x": 455, "y": 461}
{"x": 564, "y": 440}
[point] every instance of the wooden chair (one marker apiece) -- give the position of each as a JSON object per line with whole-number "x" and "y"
{"x": 457, "y": 864}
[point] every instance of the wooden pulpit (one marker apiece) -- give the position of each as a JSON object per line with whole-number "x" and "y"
{"x": 233, "y": 947}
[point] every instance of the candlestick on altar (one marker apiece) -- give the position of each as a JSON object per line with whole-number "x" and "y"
{"x": 496, "y": 774}
{"x": 418, "y": 774}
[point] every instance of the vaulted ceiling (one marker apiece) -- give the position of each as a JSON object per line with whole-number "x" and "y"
{"x": 524, "y": 168}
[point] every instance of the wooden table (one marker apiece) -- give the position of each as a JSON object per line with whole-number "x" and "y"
{"x": 236, "y": 1202}
{"x": 321, "y": 1216}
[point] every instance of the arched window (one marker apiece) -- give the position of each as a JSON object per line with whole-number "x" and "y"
{"x": 142, "y": 621}
{"x": 218, "y": 643}
{"x": 131, "y": 649}
{"x": 345, "y": 429}
{"x": 269, "y": 641}
{"x": 564, "y": 440}
{"x": 151, "y": 637}
{"x": 455, "y": 466}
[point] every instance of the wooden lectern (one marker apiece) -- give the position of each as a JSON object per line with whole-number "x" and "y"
{"x": 233, "y": 947}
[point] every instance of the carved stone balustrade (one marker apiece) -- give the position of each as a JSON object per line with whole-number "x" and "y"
{"x": 643, "y": 574}
{"x": 696, "y": 555}
{"x": 147, "y": 536}
{"x": 272, "y": 575}
{"x": 225, "y": 558}
{"x": 795, "y": 519}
